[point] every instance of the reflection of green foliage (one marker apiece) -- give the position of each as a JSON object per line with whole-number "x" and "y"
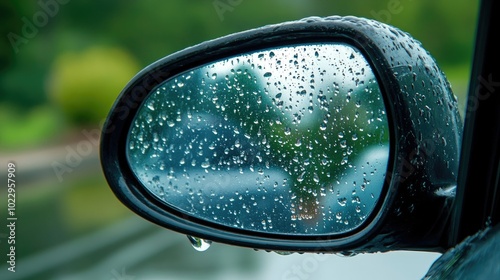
{"x": 315, "y": 144}
{"x": 85, "y": 85}
{"x": 255, "y": 123}
{"x": 313, "y": 156}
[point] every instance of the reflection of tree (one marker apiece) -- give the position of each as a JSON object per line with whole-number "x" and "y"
{"x": 314, "y": 155}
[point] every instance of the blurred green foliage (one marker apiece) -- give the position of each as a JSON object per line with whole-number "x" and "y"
{"x": 148, "y": 30}
{"x": 85, "y": 85}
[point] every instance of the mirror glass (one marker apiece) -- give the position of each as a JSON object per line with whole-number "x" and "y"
{"x": 289, "y": 140}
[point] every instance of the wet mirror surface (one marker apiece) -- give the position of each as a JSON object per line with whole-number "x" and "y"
{"x": 293, "y": 140}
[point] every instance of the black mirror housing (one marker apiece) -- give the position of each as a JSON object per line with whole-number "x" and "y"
{"x": 425, "y": 133}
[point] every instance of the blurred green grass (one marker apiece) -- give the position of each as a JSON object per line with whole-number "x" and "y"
{"x": 23, "y": 129}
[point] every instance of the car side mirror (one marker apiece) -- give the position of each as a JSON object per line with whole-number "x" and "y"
{"x": 335, "y": 134}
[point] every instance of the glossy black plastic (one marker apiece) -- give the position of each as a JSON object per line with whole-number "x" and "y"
{"x": 478, "y": 192}
{"x": 415, "y": 206}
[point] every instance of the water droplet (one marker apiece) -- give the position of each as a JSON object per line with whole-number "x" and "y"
{"x": 316, "y": 178}
{"x": 298, "y": 143}
{"x": 342, "y": 202}
{"x": 288, "y": 131}
{"x": 156, "y": 138}
{"x": 344, "y": 160}
{"x": 343, "y": 143}
{"x": 214, "y": 76}
{"x": 301, "y": 177}
{"x": 346, "y": 254}
{"x": 156, "y": 179}
{"x": 444, "y": 141}
{"x": 199, "y": 244}
{"x": 205, "y": 164}
{"x": 268, "y": 74}
{"x": 149, "y": 118}
{"x": 283, "y": 253}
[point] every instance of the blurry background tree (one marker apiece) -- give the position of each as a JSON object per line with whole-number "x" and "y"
{"x": 84, "y": 85}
